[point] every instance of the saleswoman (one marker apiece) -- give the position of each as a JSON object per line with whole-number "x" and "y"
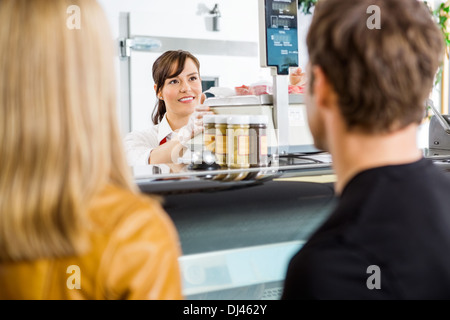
{"x": 178, "y": 112}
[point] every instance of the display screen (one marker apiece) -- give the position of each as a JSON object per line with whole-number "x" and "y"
{"x": 279, "y": 39}
{"x": 281, "y": 34}
{"x": 281, "y": 6}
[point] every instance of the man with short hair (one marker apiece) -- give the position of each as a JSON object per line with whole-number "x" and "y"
{"x": 389, "y": 236}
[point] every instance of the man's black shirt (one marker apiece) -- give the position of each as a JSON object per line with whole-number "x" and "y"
{"x": 394, "y": 218}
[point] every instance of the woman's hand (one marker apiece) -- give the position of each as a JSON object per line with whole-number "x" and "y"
{"x": 195, "y": 123}
{"x": 297, "y": 77}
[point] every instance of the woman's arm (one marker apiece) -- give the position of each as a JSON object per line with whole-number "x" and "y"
{"x": 169, "y": 152}
{"x": 138, "y": 146}
{"x": 175, "y": 148}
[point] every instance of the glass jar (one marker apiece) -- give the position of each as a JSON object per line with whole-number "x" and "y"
{"x": 238, "y": 145}
{"x": 209, "y": 132}
{"x": 221, "y": 140}
{"x": 259, "y": 153}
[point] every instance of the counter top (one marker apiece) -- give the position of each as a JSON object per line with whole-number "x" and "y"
{"x": 168, "y": 179}
{"x": 264, "y": 99}
{"x": 237, "y": 237}
{"x": 161, "y": 178}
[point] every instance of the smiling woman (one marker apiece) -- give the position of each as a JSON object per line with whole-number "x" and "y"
{"x": 169, "y": 73}
{"x": 178, "y": 112}
{"x": 180, "y": 92}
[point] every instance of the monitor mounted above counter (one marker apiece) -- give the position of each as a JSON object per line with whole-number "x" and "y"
{"x": 278, "y": 34}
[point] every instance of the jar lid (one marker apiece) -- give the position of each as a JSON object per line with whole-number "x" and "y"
{"x": 221, "y": 118}
{"x": 209, "y": 118}
{"x": 259, "y": 119}
{"x": 239, "y": 119}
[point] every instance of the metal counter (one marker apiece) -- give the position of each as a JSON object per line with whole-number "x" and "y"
{"x": 264, "y": 99}
{"x": 237, "y": 237}
{"x": 237, "y": 242}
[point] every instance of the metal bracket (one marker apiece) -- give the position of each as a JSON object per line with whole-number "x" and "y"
{"x": 138, "y": 43}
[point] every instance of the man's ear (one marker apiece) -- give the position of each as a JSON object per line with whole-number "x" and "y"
{"x": 322, "y": 89}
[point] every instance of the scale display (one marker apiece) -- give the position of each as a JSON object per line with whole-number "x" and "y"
{"x": 281, "y": 40}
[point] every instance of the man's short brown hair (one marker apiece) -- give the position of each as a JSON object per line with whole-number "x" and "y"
{"x": 382, "y": 76}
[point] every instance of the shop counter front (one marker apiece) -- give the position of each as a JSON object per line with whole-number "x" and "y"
{"x": 237, "y": 237}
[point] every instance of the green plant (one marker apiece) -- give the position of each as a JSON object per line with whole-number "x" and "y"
{"x": 305, "y": 6}
{"x": 441, "y": 16}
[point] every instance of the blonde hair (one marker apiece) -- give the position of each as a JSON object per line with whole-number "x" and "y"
{"x": 59, "y": 138}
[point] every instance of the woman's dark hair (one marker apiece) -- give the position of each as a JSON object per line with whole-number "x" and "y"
{"x": 169, "y": 65}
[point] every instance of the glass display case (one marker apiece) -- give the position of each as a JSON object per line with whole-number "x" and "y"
{"x": 237, "y": 237}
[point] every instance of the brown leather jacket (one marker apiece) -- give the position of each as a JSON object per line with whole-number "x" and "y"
{"x": 134, "y": 255}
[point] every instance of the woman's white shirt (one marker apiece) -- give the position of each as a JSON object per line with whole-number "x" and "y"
{"x": 139, "y": 144}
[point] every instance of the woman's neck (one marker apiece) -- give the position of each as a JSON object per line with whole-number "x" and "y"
{"x": 176, "y": 122}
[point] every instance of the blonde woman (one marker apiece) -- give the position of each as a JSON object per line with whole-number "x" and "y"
{"x": 72, "y": 223}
